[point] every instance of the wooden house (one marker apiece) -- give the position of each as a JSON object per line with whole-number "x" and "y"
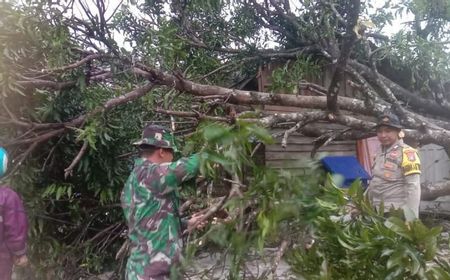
{"x": 435, "y": 162}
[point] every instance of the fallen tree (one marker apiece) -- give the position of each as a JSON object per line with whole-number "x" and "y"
{"x": 75, "y": 93}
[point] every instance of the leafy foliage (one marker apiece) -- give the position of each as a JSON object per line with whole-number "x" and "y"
{"x": 288, "y": 77}
{"x": 281, "y": 205}
{"x": 368, "y": 246}
{"x": 76, "y": 222}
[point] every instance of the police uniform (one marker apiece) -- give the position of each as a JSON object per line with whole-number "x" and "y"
{"x": 150, "y": 201}
{"x": 396, "y": 176}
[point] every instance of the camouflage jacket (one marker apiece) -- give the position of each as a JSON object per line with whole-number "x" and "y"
{"x": 150, "y": 202}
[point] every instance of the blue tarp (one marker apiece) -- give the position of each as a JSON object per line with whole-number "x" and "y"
{"x": 3, "y": 161}
{"x": 346, "y": 166}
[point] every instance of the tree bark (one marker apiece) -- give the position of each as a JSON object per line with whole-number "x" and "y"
{"x": 434, "y": 191}
{"x": 413, "y": 100}
{"x": 350, "y": 38}
{"x": 435, "y": 208}
{"x": 242, "y": 97}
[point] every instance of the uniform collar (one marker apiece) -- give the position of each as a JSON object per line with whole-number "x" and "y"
{"x": 141, "y": 160}
{"x": 393, "y": 146}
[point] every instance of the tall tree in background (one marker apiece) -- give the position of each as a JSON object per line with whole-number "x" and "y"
{"x": 80, "y": 78}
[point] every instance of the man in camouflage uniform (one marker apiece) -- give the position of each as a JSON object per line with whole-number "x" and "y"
{"x": 150, "y": 201}
{"x": 396, "y": 169}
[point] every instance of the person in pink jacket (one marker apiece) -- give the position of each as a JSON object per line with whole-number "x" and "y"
{"x": 13, "y": 229}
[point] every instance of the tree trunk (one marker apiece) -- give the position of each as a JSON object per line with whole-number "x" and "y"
{"x": 434, "y": 191}
{"x": 436, "y": 209}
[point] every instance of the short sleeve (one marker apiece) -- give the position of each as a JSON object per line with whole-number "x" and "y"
{"x": 410, "y": 161}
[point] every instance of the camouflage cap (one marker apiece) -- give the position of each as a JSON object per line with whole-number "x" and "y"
{"x": 388, "y": 119}
{"x": 158, "y": 136}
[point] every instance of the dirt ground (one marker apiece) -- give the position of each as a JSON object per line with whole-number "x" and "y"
{"x": 210, "y": 266}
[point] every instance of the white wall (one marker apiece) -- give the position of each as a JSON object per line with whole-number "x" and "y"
{"x": 435, "y": 163}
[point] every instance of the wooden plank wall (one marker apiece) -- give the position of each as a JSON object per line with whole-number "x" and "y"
{"x": 297, "y": 154}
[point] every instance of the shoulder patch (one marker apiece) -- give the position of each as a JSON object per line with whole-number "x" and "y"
{"x": 411, "y": 155}
{"x": 410, "y": 161}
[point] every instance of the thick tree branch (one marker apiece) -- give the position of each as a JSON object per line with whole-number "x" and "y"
{"x": 39, "y": 83}
{"x": 195, "y": 115}
{"x": 371, "y": 97}
{"x": 280, "y": 253}
{"x": 261, "y": 98}
{"x": 51, "y": 131}
{"x": 434, "y": 191}
{"x": 242, "y": 97}
{"x": 75, "y": 64}
{"x": 305, "y": 117}
{"x": 413, "y": 100}
{"x": 349, "y": 40}
{"x": 34, "y": 83}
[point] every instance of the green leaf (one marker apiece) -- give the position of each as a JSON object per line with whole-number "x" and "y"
{"x": 59, "y": 192}
{"x": 81, "y": 82}
{"x": 215, "y": 132}
{"x": 40, "y": 225}
{"x": 345, "y": 244}
{"x": 399, "y": 226}
{"x": 69, "y": 192}
{"x": 327, "y": 205}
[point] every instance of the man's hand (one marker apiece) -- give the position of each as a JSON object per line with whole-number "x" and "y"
{"x": 21, "y": 260}
{"x": 196, "y": 222}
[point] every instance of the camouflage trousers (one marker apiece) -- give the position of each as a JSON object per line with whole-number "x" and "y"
{"x": 159, "y": 267}
{"x": 161, "y": 276}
